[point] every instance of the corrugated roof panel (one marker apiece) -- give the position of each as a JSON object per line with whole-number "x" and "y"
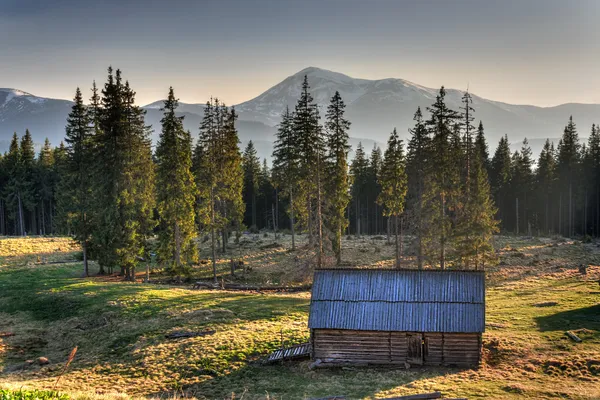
{"x": 398, "y": 300}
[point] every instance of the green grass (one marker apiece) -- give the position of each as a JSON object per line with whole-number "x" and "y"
{"x": 120, "y": 331}
{"x": 6, "y": 394}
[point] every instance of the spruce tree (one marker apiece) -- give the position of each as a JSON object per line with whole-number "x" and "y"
{"x": 568, "y": 164}
{"x": 481, "y": 147}
{"x": 286, "y": 162}
{"x": 442, "y": 181}
{"x": 545, "y": 184}
{"x": 374, "y": 188}
{"x": 337, "y": 170}
{"x": 416, "y": 167}
{"x": 176, "y": 192}
{"x": 251, "y": 165}
{"x": 593, "y": 178}
{"x": 46, "y": 184}
{"x": 477, "y": 247}
{"x": 521, "y": 186}
{"x": 500, "y": 178}
{"x": 311, "y": 146}
{"x": 359, "y": 171}
{"x": 27, "y": 177}
{"x": 393, "y": 183}
{"x": 124, "y": 178}
{"x": 77, "y": 188}
{"x": 15, "y": 187}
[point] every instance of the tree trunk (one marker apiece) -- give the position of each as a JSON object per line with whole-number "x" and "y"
{"x": 357, "y": 217}
{"x": 389, "y": 240}
{"x": 213, "y": 234}
{"x": 397, "y": 242}
{"x": 21, "y": 218}
{"x": 517, "y": 215}
{"x": 177, "y": 247}
{"x": 86, "y": 271}
{"x": 443, "y": 232}
{"x": 570, "y": 210}
{"x": 254, "y": 209}
{"x": 276, "y": 214}
{"x": 319, "y": 217}
{"x": 309, "y": 216}
{"x": 560, "y": 232}
{"x": 293, "y": 222}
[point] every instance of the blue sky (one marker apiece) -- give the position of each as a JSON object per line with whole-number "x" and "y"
{"x": 541, "y": 52}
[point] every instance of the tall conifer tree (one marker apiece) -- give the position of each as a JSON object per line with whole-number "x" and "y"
{"x": 337, "y": 127}
{"x": 393, "y": 183}
{"x": 176, "y": 191}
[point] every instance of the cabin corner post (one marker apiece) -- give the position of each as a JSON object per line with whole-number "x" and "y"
{"x": 312, "y": 344}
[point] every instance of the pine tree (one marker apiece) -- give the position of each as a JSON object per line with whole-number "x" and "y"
{"x": 568, "y": 164}
{"x": 481, "y": 147}
{"x": 124, "y": 178}
{"x": 416, "y": 167}
{"x": 232, "y": 176}
{"x": 359, "y": 171}
{"x": 251, "y": 165}
{"x": 500, "y": 178}
{"x": 15, "y": 187}
{"x": 27, "y": 177}
{"x": 393, "y": 183}
{"x": 593, "y": 178}
{"x": 77, "y": 190}
{"x": 442, "y": 182}
{"x": 477, "y": 248}
{"x": 311, "y": 146}
{"x": 522, "y": 180}
{"x": 46, "y": 184}
{"x": 286, "y": 162}
{"x": 545, "y": 182}
{"x": 337, "y": 170}
{"x": 60, "y": 207}
{"x": 219, "y": 174}
{"x": 176, "y": 192}
{"x": 374, "y": 188}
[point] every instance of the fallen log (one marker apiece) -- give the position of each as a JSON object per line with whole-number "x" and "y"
{"x": 573, "y": 336}
{"x": 330, "y": 398}
{"x": 236, "y": 286}
{"x": 179, "y": 335}
{"x": 421, "y": 396}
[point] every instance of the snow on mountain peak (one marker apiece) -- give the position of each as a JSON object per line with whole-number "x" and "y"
{"x": 7, "y": 94}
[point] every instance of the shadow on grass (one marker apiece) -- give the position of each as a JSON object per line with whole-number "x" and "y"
{"x": 54, "y": 293}
{"x": 588, "y": 318}
{"x": 294, "y": 380}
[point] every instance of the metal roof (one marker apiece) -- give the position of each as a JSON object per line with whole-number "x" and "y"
{"x": 398, "y": 300}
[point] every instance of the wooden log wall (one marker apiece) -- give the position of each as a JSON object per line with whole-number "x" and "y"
{"x": 338, "y": 346}
{"x": 461, "y": 349}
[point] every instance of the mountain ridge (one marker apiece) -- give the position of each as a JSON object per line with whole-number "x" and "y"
{"x": 374, "y": 107}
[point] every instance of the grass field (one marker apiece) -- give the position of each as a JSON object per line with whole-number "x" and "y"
{"x": 46, "y": 309}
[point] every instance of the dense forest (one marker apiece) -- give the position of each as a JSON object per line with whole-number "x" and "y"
{"x": 109, "y": 188}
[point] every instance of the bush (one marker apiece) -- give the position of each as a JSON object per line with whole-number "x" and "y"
{"x": 78, "y": 255}
{"x": 6, "y": 394}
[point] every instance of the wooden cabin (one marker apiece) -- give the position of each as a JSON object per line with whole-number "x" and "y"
{"x": 416, "y": 317}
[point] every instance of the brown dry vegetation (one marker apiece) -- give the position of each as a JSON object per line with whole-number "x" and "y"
{"x": 534, "y": 295}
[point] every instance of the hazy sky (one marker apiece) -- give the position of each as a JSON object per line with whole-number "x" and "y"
{"x": 542, "y": 52}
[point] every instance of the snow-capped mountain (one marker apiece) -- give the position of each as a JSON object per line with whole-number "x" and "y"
{"x": 42, "y": 116}
{"x": 374, "y": 107}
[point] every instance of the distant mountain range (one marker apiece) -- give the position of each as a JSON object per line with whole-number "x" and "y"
{"x": 374, "y": 107}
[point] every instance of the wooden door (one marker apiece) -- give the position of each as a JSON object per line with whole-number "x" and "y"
{"x": 415, "y": 348}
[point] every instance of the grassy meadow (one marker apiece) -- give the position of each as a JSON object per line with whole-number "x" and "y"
{"x": 534, "y": 295}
